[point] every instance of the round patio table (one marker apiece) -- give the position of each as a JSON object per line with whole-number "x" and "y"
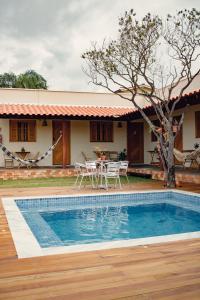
{"x": 102, "y": 165}
{"x": 23, "y": 154}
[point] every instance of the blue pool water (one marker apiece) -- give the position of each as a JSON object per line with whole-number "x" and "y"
{"x": 99, "y": 218}
{"x": 118, "y": 223}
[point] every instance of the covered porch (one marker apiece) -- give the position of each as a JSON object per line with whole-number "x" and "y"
{"x": 29, "y": 129}
{"x": 141, "y": 170}
{"x": 190, "y": 175}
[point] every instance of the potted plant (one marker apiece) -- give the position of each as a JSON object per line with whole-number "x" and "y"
{"x": 123, "y": 155}
{"x": 103, "y": 155}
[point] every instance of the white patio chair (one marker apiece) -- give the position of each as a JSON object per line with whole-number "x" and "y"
{"x": 112, "y": 172}
{"x": 86, "y": 157}
{"x": 123, "y": 169}
{"x": 84, "y": 171}
{"x": 78, "y": 170}
{"x": 91, "y": 168}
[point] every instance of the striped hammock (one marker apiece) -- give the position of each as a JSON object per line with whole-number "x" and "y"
{"x": 187, "y": 158}
{"x": 29, "y": 161}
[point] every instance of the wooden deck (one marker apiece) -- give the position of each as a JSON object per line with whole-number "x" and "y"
{"x": 161, "y": 271}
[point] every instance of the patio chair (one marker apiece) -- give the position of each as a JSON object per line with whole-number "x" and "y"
{"x": 78, "y": 170}
{"x": 194, "y": 156}
{"x": 84, "y": 171}
{"x": 113, "y": 155}
{"x": 91, "y": 168}
{"x": 8, "y": 161}
{"x": 123, "y": 169}
{"x": 112, "y": 172}
{"x": 86, "y": 158}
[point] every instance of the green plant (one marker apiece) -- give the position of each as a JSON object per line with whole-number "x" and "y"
{"x": 122, "y": 155}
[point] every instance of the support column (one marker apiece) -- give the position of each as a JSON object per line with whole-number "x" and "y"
{"x": 64, "y": 142}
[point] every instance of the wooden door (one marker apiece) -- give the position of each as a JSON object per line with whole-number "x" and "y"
{"x": 135, "y": 142}
{"x": 179, "y": 141}
{"x": 61, "y": 154}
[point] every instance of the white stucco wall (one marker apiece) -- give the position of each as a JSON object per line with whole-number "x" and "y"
{"x": 80, "y": 140}
{"x": 48, "y": 97}
{"x": 43, "y": 141}
{"x": 189, "y": 138}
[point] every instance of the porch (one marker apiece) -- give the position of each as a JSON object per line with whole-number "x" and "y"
{"x": 182, "y": 175}
{"x": 86, "y": 129}
{"x": 29, "y": 129}
{"x": 190, "y": 175}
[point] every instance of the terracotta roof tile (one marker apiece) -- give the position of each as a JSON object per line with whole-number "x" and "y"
{"x": 52, "y": 110}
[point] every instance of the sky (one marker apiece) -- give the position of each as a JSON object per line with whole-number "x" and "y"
{"x": 49, "y": 36}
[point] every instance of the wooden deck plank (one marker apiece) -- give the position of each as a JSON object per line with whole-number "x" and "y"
{"x": 160, "y": 271}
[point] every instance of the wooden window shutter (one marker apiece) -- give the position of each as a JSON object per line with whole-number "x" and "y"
{"x": 197, "y": 124}
{"x": 93, "y": 131}
{"x": 32, "y": 131}
{"x": 13, "y": 131}
{"x": 108, "y": 137}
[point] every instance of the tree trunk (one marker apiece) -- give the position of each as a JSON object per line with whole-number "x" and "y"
{"x": 170, "y": 177}
{"x": 170, "y": 172}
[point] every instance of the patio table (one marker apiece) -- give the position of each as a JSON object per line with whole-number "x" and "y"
{"x": 23, "y": 155}
{"x": 102, "y": 164}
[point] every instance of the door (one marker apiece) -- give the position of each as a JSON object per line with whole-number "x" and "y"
{"x": 61, "y": 154}
{"x": 135, "y": 142}
{"x": 179, "y": 140}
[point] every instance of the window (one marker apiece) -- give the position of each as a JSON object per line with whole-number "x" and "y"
{"x": 22, "y": 130}
{"x": 153, "y": 136}
{"x": 101, "y": 131}
{"x": 197, "y": 124}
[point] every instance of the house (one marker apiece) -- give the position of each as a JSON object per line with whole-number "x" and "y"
{"x": 34, "y": 119}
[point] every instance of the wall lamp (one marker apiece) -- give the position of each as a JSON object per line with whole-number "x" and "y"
{"x": 119, "y": 124}
{"x": 44, "y": 123}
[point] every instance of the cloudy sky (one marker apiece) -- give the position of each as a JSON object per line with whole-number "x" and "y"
{"x": 50, "y": 35}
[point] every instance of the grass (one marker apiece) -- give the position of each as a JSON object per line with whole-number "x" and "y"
{"x": 59, "y": 181}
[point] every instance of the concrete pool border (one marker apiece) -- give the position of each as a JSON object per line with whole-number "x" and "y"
{"x": 27, "y": 246}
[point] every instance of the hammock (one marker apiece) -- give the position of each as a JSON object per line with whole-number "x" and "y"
{"x": 180, "y": 156}
{"x": 29, "y": 161}
{"x": 186, "y": 158}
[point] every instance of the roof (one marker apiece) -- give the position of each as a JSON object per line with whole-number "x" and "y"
{"x": 83, "y": 112}
{"x": 62, "y": 111}
{"x": 192, "y": 98}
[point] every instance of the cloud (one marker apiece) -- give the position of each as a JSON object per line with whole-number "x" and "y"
{"x": 50, "y": 35}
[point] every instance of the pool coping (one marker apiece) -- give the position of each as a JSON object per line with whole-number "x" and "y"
{"x": 27, "y": 246}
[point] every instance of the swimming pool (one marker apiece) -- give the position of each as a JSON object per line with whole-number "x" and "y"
{"x": 49, "y": 225}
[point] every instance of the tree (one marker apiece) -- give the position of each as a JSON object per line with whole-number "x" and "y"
{"x": 8, "y": 80}
{"x": 28, "y": 80}
{"x": 31, "y": 80}
{"x": 159, "y": 53}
